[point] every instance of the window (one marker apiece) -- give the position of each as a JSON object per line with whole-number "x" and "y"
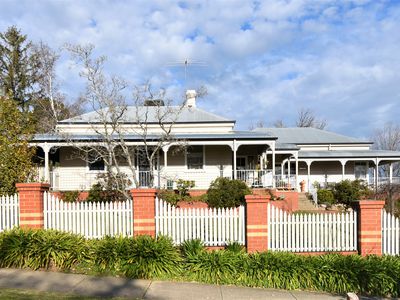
{"x": 95, "y": 163}
{"x": 360, "y": 170}
{"x": 194, "y": 157}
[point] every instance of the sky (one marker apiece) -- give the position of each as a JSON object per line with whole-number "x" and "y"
{"x": 259, "y": 60}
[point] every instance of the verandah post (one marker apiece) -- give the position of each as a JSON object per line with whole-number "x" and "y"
{"x": 31, "y": 204}
{"x": 257, "y": 223}
{"x": 370, "y": 227}
{"x": 144, "y": 211}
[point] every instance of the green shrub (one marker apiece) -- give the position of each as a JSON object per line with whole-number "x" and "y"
{"x": 52, "y": 248}
{"x": 235, "y": 247}
{"x": 26, "y": 248}
{"x": 109, "y": 254}
{"x": 169, "y": 196}
{"x": 183, "y": 187}
{"x": 213, "y": 267}
{"x": 15, "y": 247}
{"x": 152, "y": 258}
{"x": 348, "y": 191}
{"x": 192, "y": 247}
{"x": 224, "y": 192}
{"x": 98, "y": 193}
{"x": 70, "y": 196}
{"x": 147, "y": 257}
{"x": 326, "y": 196}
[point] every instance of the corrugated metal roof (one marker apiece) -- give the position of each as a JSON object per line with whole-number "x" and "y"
{"x": 218, "y": 136}
{"x": 350, "y": 154}
{"x": 133, "y": 114}
{"x": 283, "y": 146}
{"x": 308, "y": 135}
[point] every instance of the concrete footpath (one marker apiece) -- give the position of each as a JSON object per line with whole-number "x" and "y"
{"x": 140, "y": 289}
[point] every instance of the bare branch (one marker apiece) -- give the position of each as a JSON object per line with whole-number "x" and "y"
{"x": 279, "y": 124}
{"x": 306, "y": 118}
{"x": 149, "y": 121}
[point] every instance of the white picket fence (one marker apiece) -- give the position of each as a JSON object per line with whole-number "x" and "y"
{"x": 9, "y": 212}
{"x": 90, "y": 219}
{"x": 311, "y": 232}
{"x": 390, "y": 234}
{"x": 215, "y": 227}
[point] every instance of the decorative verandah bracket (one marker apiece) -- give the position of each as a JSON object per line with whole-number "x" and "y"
{"x": 257, "y": 223}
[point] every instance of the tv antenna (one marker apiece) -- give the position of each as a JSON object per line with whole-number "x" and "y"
{"x": 186, "y": 63}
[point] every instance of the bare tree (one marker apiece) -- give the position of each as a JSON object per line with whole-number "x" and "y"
{"x": 151, "y": 118}
{"x": 51, "y": 107}
{"x": 388, "y": 138}
{"x": 258, "y": 124}
{"x": 307, "y": 118}
{"x": 279, "y": 124}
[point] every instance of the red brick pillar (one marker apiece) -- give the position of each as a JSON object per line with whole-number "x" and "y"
{"x": 31, "y": 204}
{"x": 257, "y": 223}
{"x": 370, "y": 227}
{"x": 144, "y": 211}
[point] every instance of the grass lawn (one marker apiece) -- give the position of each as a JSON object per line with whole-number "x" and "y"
{"x": 19, "y": 294}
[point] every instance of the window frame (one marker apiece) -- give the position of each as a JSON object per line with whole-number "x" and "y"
{"x": 203, "y": 162}
{"x": 88, "y": 165}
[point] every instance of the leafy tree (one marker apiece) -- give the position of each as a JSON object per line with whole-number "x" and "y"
{"x": 15, "y": 155}
{"x": 19, "y": 68}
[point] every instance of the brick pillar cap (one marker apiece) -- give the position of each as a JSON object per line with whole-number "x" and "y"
{"x": 143, "y": 191}
{"x": 257, "y": 198}
{"x": 32, "y": 186}
{"x": 371, "y": 203}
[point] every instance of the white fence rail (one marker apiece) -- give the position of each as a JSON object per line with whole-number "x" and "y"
{"x": 390, "y": 234}
{"x": 311, "y": 232}
{"x": 90, "y": 219}
{"x": 215, "y": 227}
{"x": 9, "y": 212}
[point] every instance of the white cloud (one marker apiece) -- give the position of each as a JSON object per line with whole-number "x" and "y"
{"x": 265, "y": 59}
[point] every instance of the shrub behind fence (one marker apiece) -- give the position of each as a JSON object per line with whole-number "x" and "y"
{"x": 90, "y": 219}
{"x": 9, "y": 212}
{"x": 215, "y": 227}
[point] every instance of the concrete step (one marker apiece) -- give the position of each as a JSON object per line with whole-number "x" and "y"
{"x": 306, "y": 204}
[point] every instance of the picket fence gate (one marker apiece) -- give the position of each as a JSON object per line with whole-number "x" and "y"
{"x": 9, "y": 212}
{"x": 90, "y": 219}
{"x": 390, "y": 234}
{"x": 215, "y": 227}
{"x": 311, "y": 232}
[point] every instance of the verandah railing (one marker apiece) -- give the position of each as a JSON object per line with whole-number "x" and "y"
{"x": 215, "y": 227}
{"x": 9, "y": 212}
{"x": 311, "y": 232}
{"x": 90, "y": 219}
{"x": 255, "y": 178}
{"x": 390, "y": 234}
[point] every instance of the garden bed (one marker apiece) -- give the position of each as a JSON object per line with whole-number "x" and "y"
{"x": 149, "y": 258}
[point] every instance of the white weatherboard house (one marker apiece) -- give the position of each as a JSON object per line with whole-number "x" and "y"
{"x": 264, "y": 157}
